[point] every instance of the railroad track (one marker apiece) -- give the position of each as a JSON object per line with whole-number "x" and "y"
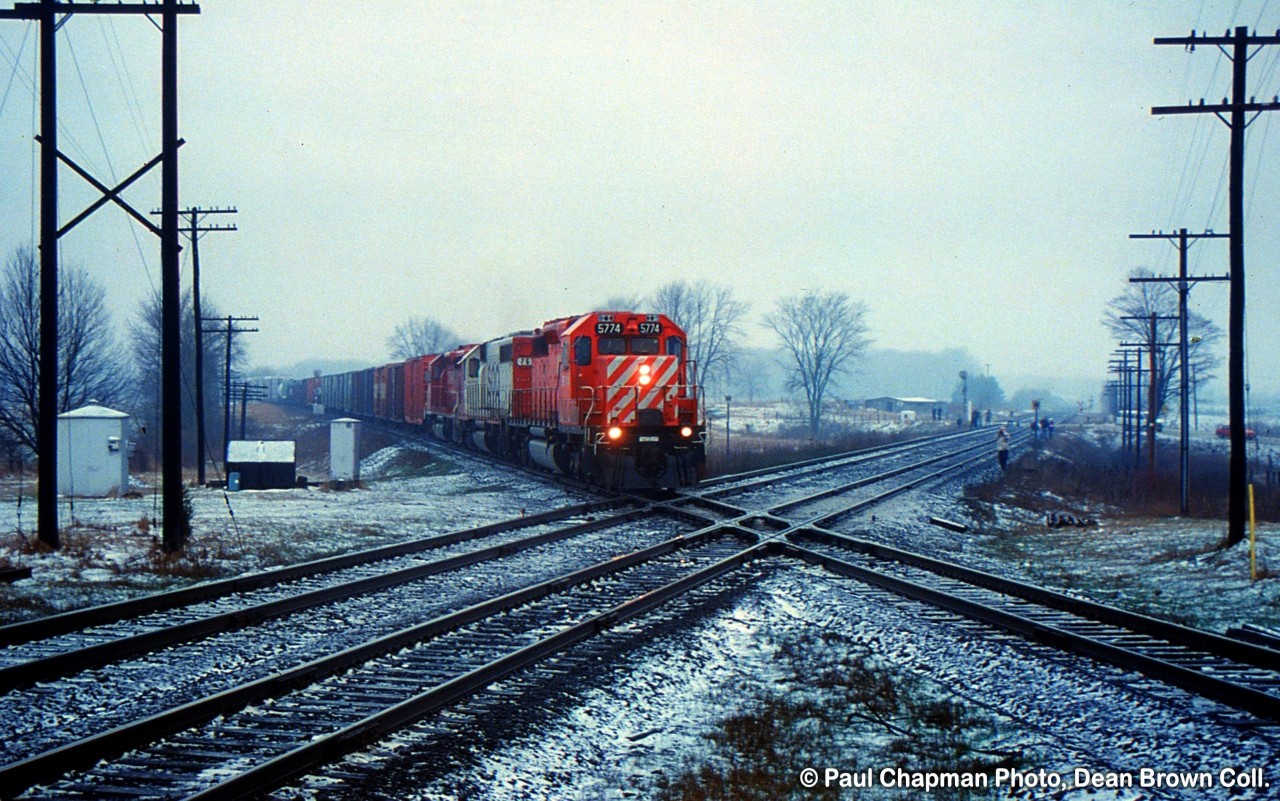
{"x": 266, "y": 731}
{"x": 162, "y": 622}
{"x": 59, "y": 644}
{"x": 262, "y": 733}
{"x": 1235, "y": 672}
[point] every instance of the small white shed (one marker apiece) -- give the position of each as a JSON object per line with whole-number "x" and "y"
{"x": 344, "y": 449}
{"x": 93, "y": 452}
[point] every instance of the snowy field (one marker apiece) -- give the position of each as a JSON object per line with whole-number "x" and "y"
{"x": 112, "y": 551}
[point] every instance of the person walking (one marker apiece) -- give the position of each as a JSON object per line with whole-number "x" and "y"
{"x": 1002, "y": 447}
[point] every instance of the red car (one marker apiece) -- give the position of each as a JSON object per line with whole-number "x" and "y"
{"x": 1224, "y": 431}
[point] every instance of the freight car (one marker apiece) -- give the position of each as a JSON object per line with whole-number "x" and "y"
{"x": 607, "y": 397}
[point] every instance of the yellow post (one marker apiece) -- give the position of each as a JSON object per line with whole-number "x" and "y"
{"x": 1253, "y": 539}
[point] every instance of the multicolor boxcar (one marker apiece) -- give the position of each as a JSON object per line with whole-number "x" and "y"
{"x": 608, "y": 397}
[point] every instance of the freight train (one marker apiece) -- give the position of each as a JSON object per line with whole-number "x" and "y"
{"x": 607, "y": 397}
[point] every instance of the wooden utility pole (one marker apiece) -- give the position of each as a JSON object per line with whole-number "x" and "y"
{"x": 1183, "y": 242}
{"x": 248, "y": 392}
{"x": 1236, "y": 47}
{"x": 230, "y": 330}
{"x": 46, "y": 13}
{"x": 1155, "y": 388}
{"x": 194, "y": 218}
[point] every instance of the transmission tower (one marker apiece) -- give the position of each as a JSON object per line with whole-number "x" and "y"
{"x": 46, "y": 13}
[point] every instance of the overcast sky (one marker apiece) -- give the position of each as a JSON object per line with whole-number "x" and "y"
{"x": 969, "y": 170}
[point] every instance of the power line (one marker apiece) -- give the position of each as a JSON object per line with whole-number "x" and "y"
{"x": 1235, "y": 114}
{"x": 46, "y": 14}
{"x": 194, "y": 226}
{"x": 1183, "y": 242}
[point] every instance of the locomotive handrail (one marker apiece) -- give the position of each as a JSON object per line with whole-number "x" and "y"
{"x": 585, "y": 419}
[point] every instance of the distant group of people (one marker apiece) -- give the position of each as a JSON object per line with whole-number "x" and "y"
{"x": 1042, "y": 429}
{"x": 975, "y": 419}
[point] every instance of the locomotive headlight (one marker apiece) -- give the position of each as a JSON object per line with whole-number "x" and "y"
{"x": 645, "y": 369}
{"x": 686, "y": 432}
{"x": 615, "y": 432}
{"x": 645, "y": 378}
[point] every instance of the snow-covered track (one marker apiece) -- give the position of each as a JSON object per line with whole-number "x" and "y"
{"x": 137, "y": 626}
{"x": 814, "y": 480}
{"x": 1240, "y": 674}
{"x": 254, "y": 737}
{"x": 726, "y": 486}
{"x": 80, "y": 619}
{"x": 818, "y": 507}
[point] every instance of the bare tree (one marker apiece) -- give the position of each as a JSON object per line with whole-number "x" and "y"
{"x": 418, "y": 336}
{"x": 1139, "y": 301}
{"x": 145, "y": 342}
{"x": 89, "y": 358}
{"x": 712, "y": 320}
{"x": 823, "y": 333}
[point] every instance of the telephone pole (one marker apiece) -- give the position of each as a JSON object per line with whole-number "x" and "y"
{"x": 230, "y": 330}
{"x": 46, "y": 13}
{"x": 1154, "y": 378}
{"x": 1234, "y": 46}
{"x": 248, "y": 392}
{"x": 193, "y": 227}
{"x": 1183, "y": 242}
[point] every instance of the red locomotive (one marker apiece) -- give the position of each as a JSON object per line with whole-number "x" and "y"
{"x": 608, "y": 397}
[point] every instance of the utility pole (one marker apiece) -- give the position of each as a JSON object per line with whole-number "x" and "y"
{"x": 1183, "y": 243}
{"x": 230, "y": 330}
{"x": 728, "y": 410}
{"x": 46, "y": 13}
{"x": 247, "y": 392}
{"x": 1154, "y": 391}
{"x": 1132, "y": 385}
{"x": 193, "y": 228}
{"x": 1118, "y": 389}
{"x": 1239, "y": 43}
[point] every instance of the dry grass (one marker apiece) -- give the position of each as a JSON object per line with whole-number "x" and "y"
{"x": 845, "y": 706}
{"x": 1081, "y": 475}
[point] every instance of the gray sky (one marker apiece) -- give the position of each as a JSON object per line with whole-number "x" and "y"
{"x": 970, "y": 170}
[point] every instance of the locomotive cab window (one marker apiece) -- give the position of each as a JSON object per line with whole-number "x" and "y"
{"x": 582, "y": 351}
{"x": 473, "y": 368}
{"x": 644, "y": 346}
{"x": 612, "y": 346}
{"x": 675, "y": 347}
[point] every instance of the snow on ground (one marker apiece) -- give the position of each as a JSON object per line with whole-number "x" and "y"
{"x": 112, "y": 549}
{"x": 619, "y": 732}
{"x": 652, "y": 715}
{"x": 1169, "y": 568}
